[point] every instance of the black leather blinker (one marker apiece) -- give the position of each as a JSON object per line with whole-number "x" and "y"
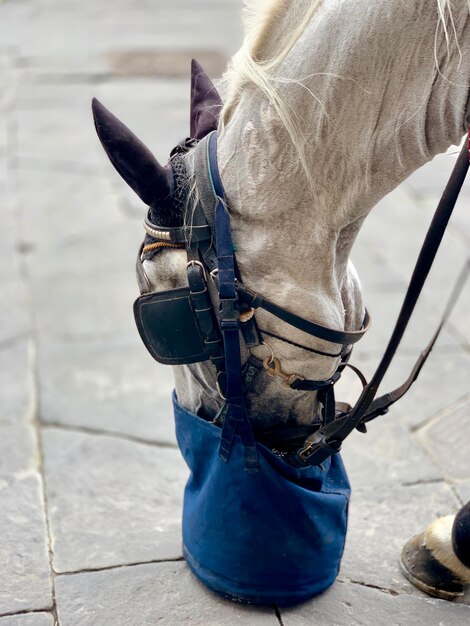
{"x": 168, "y": 327}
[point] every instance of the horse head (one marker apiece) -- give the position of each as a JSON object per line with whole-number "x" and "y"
{"x": 329, "y": 106}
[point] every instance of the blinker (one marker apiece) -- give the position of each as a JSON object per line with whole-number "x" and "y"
{"x": 178, "y": 326}
{"x": 168, "y": 327}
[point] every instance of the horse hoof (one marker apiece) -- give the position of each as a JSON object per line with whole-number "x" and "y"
{"x": 430, "y": 564}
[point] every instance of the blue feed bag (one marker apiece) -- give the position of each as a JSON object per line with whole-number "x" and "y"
{"x": 275, "y": 536}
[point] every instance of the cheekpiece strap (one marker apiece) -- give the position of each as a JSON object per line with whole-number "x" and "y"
{"x": 236, "y": 420}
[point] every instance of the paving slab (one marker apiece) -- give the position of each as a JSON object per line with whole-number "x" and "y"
{"x": 15, "y": 381}
{"x": 3, "y": 177}
{"x": 156, "y": 110}
{"x": 24, "y": 576}
{"x": 54, "y": 217}
{"x": 106, "y": 386}
{"x": 7, "y": 76}
{"x": 3, "y": 136}
{"x": 44, "y": 30}
{"x": 18, "y": 448}
{"x": 31, "y": 619}
{"x": 8, "y": 85}
{"x": 443, "y": 382}
{"x": 381, "y": 520}
{"x": 86, "y": 293}
{"x": 165, "y": 593}
{"x": 463, "y": 491}
{"x": 85, "y": 186}
{"x": 445, "y": 439}
{"x": 58, "y": 135}
{"x": 385, "y": 252}
{"x": 387, "y": 454}
{"x": 384, "y": 231}
{"x": 356, "y": 605}
{"x": 460, "y": 317}
{"x": 14, "y": 320}
{"x": 111, "y": 502}
{"x": 384, "y": 308}
{"x": 377, "y": 273}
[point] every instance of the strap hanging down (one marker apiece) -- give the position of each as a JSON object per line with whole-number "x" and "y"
{"x": 236, "y": 420}
{"x": 328, "y": 439}
{"x": 381, "y": 405}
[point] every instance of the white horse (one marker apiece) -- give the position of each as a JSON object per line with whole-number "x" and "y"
{"x": 329, "y": 105}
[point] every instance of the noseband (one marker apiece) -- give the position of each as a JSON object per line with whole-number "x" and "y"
{"x": 185, "y": 325}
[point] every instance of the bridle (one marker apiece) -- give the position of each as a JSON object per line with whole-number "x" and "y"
{"x": 184, "y": 326}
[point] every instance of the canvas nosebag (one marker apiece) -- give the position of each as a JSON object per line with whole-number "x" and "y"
{"x": 256, "y": 528}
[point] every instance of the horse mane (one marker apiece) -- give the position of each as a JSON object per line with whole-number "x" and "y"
{"x": 259, "y": 15}
{"x": 254, "y": 62}
{"x": 263, "y": 50}
{"x": 265, "y": 47}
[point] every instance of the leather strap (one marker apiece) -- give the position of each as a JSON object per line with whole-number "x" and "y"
{"x": 204, "y": 312}
{"x": 236, "y": 420}
{"x": 315, "y": 385}
{"x": 381, "y": 405}
{"x": 342, "y": 337}
{"x": 328, "y": 439}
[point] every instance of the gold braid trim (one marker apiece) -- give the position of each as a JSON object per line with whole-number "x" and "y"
{"x": 162, "y": 244}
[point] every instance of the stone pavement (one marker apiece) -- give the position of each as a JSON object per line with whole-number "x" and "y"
{"x": 90, "y": 477}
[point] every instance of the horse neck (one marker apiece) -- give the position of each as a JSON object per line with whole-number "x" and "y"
{"x": 372, "y": 93}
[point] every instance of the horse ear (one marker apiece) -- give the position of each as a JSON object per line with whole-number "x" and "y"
{"x": 133, "y": 161}
{"x": 205, "y": 103}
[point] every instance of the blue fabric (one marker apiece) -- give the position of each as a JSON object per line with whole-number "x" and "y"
{"x": 275, "y": 536}
{"x": 235, "y": 421}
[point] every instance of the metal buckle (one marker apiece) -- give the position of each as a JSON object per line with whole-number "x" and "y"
{"x": 228, "y": 312}
{"x": 193, "y": 263}
{"x": 307, "y": 452}
{"x": 318, "y": 447}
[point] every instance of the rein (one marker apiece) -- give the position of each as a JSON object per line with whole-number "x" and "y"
{"x": 182, "y": 326}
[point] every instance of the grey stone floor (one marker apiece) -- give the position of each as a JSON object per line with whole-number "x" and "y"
{"x": 90, "y": 477}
